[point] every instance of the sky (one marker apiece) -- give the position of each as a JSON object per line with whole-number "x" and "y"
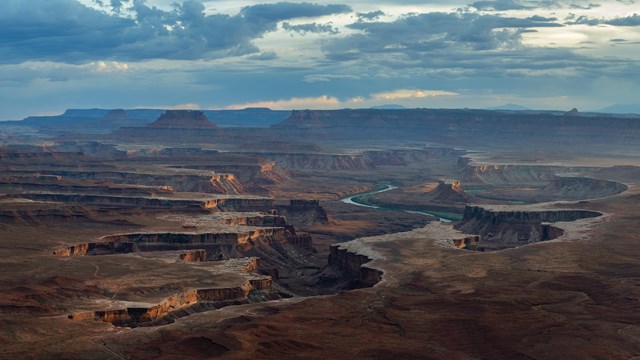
{"x": 219, "y": 54}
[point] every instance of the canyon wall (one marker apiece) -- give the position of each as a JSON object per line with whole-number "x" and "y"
{"x": 303, "y": 213}
{"x": 178, "y": 305}
{"x": 222, "y": 204}
{"x": 229, "y": 244}
{"x": 353, "y": 266}
{"x": 501, "y": 229}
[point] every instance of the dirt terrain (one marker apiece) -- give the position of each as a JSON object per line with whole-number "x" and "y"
{"x": 141, "y": 249}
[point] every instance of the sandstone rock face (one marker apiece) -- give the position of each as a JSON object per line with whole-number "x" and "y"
{"x": 469, "y": 243}
{"x": 194, "y": 256}
{"x": 177, "y": 305}
{"x": 184, "y": 119}
{"x": 226, "y": 184}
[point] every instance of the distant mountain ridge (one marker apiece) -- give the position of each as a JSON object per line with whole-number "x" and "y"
{"x": 509, "y": 106}
{"x": 621, "y": 109}
{"x": 107, "y": 120}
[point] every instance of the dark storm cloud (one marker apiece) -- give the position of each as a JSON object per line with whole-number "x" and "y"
{"x": 463, "y": 45}
{"x": 632, "y": 20}
{"x": 285, "y": 10}
{"x": 67, "y": 31}
{"x": 433, "y": 31}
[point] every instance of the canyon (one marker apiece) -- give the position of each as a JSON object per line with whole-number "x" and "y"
{"x": 172, "y": 235}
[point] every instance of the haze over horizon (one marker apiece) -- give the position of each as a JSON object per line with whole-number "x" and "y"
{"x": 59, "y": 54}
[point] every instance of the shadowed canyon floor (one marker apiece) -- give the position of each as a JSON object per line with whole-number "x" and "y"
{"x": 113, "y": 249}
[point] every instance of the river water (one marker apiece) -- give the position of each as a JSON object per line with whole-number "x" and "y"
{"x": 350, "y": 200}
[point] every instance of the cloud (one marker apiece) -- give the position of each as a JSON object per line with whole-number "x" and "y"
{"x": 68, "y": 31}
{"x": 110, "y": 66}
{"x": 411, "y": 94}
{"x": 506, "y": 5}
{"x": 632, "y": 20}
{"x": 436, "y": 31}
{"x": 272, "y": 13}
{"x": 263, "y": 56}
{"x": 328, "y": 77}
{"x": 331, "y": 102}
{"x": 500, "y": 5}
{"x": 310, "y": 28}
{"x": 370, "y": 16}
{"x": 320, "y": 102}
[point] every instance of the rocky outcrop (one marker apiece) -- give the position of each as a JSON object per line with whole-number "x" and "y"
{"x": 194, "y": 256}
{"x": 447, "y": 193}
{"x": 352, "y": 264}
{"x": 226, "y": 184}
{"x": 468, "y": 243}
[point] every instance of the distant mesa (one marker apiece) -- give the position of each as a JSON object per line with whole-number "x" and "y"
{"x": 116, "y": 114}
{"x": 572, "y": 112}
{"x": 183, "y": 119}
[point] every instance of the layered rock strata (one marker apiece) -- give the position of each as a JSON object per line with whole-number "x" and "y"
{"x": 179, "y": 305}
